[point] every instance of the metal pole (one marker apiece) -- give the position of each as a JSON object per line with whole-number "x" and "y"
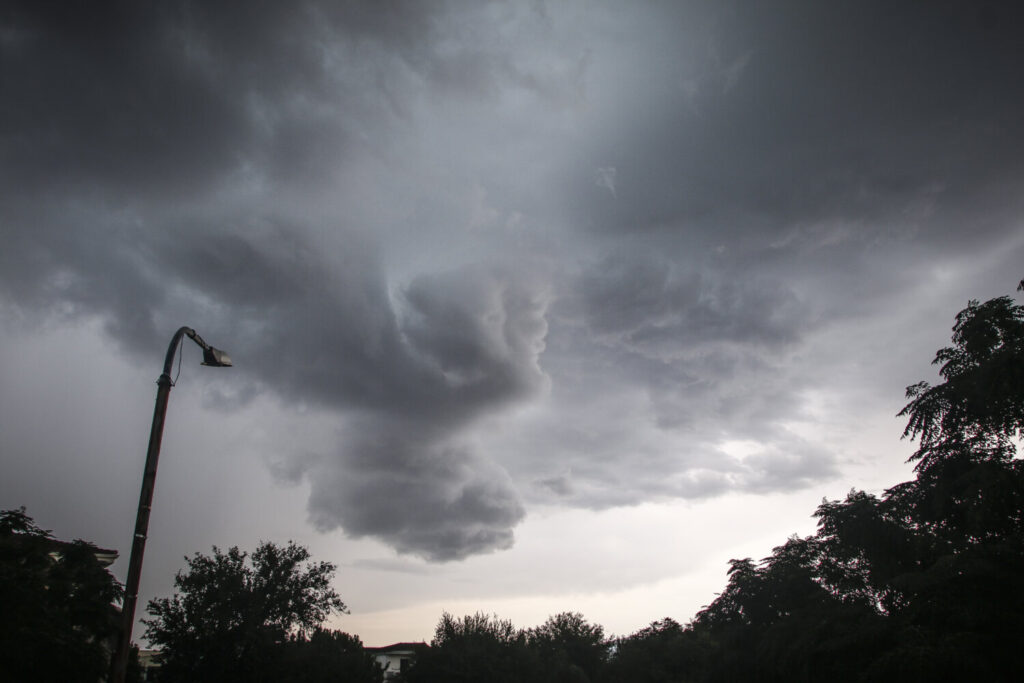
{"x": 119, "y": 665}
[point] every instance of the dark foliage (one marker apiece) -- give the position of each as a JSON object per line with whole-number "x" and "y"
{"x": 242, "y": 618}
{"x": 325, "y": 656}
{"x": 475, "y": 649}
{"x": 568, "y": 648}
{"x": 482, "y": 648}
{"x": 923, "y": 583}
{"x": 663, "y": 652}
{"x": 57, "y": 619}
{"x": 980, "y": 403}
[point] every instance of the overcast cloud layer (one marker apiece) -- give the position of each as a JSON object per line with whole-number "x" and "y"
{"x": 526, "y": 254}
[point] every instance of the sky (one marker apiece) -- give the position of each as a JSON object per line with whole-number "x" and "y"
{"x": 534, "y": 306}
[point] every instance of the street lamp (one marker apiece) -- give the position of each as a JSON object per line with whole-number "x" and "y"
{"x": 212, "y": 357}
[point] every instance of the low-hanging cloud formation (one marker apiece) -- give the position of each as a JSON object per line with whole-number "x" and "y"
{"x": 524, "y": 252}
{"x": 410, "y": 486}
{"x": 414, "y": 367}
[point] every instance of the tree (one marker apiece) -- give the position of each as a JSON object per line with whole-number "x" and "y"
{"x": 664, "y": 652}
{"x": 569, "y": 648}
{"x": 326, "y": 656}
{"x": 234, "y": 613}
{"x": 477, "y": 648}
{"x": 777, "y": 620}
{"x": 958, "y": 606}
{"x": 58, "y": 618}
{"x": 980, "y": 403}
{"x": 924, "y": 582}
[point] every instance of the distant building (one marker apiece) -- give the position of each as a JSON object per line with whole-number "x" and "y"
{"x": 395, "y": 659}
{"x": 149, "y": 662}
{"x": 104, "y": 556}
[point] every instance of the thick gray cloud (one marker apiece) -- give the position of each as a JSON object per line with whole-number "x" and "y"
{"x": 648, "y": 302}
{"x": 409, "y": 486}
{"x": 792, "y": 113}
{"x": 569, "y": 253}
{"x": 417, "y": 364}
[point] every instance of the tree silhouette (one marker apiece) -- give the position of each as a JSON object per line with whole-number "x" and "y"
{"x": 57, "y": 615}
{"x": 477, "y": 648}
{"x": 664, "y": 652}
{"x": 234, "y": 613}
{"x": 925, "y": 582}
{"x": 980, "y": 405}
{"x": 569, "y": 648}
{"x": 325, "y": 656}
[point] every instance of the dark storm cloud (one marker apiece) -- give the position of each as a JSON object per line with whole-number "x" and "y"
{"x": 678, "y": 195}
{"x": 421, "y": 364}
{"x": 419, "y": 493}
{"x": 782, "y": 113}
{"x": 463, "y": 343}
{"x": 165, "y": 101}
{"x": 124, "y": 123}
{"x": 647, "y": 301}
{"x": 58, "y": 260}
{"x": 103, "y": 96}
{"x": 776, "y": 174}
{"x": 483, "y": 331}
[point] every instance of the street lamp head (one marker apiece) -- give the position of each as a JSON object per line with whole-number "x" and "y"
{"x": 216, "y": 358}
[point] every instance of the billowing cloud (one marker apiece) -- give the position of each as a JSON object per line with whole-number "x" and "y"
{"x": 422, "y": 494}
{"x": 649, "y": 303}
{"x": 416, "y": 366}
{"x": 568, "y": 254}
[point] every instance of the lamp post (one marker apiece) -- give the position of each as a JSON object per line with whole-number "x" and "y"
{"x": 212, "y": 357}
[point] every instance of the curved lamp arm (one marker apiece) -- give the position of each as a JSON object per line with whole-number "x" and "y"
{"x": 213, "y": 357}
